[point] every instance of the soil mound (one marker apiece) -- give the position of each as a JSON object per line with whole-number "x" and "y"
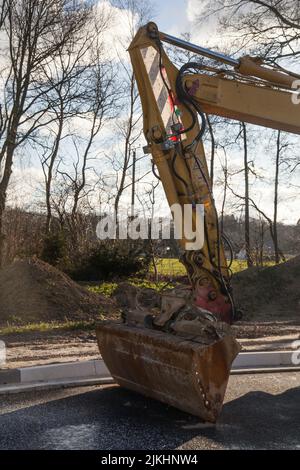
{"x": 34, "y": 291}
{"x": 269, "y": 293}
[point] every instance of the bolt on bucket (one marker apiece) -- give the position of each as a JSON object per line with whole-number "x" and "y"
{"x": 189, "y": 374}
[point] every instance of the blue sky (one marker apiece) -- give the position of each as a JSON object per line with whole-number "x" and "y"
{"x": 174, "y": 17}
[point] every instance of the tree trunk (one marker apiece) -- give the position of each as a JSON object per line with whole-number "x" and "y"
{"x": 275, "y": 233}
{"x": 48, "y": 204}
{"x": 225, "y": 171}
{"x": 247, "y": 214}
{"x": 262, "y": 243}
{"x": 2, "y": 238}
{"x": 212, "y": 156}
{"x": 3, "y": 190}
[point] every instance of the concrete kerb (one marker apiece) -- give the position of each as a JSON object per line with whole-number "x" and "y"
{"x": 80, "y": 369}
{"x": 95, "y": 372}
{"x": 263, "y": 359}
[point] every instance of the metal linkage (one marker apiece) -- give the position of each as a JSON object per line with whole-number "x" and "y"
{"x": 198, "y": 49}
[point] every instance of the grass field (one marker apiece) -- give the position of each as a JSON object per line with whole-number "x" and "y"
{"x": 48, "y": 327}
{"x": 173, "y": 267}
{"x": 107, "y": 288}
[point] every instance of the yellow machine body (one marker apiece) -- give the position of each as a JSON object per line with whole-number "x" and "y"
{"x": 184, "y": 354}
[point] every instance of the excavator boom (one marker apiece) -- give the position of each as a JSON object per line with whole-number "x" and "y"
{"x": 183, "y": 355}
{"x": 244, "y": 102}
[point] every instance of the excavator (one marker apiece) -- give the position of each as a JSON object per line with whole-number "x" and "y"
{"x": 180, "y": 351}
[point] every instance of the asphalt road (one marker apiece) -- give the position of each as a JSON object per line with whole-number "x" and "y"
{"x": 260, "y": 412}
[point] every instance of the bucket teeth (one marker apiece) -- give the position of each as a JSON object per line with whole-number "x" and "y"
{"x": 189, "y": 374}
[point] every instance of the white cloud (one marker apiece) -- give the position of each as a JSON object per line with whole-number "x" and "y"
{"x": 118, "y": 36}
{"x": 25, "y": 189}
{"x": 192, "y": 9}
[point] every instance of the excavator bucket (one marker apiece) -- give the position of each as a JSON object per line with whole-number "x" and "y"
{"x": 186, "y": 374}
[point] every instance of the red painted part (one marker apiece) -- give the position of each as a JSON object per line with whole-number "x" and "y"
{"x": 171, "y": 102}
{"x": 177, "y": 138}
{"x": 221, "y": 308}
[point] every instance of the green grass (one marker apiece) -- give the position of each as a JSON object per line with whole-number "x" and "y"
{"x": 166, "y": 267}
{"x": 105, "y": 288}
{"x": 108, "y": 288}
{"x": 169, "y": 267}
{"x": 238, "y": 265}
{"x": 48, "y": 327}
{"x": 172, "y": 266}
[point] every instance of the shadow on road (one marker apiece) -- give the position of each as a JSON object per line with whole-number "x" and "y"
{"x": 114, "y": 418}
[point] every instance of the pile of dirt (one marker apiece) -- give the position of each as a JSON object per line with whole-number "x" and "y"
{"x": 269, "y": 293}
{"x": 34, "y": 291}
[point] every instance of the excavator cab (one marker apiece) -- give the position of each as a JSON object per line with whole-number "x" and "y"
{"x": 181, "y": 353}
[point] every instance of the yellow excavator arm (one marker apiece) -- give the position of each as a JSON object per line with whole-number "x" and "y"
{"x": 182, "y": 353}
{"x": 171, "y": 100}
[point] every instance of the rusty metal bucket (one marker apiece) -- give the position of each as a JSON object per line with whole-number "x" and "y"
{"x": 182, "y": 373}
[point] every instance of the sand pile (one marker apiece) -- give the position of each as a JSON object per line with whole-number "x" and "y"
{"x": 269, "y": 293}
{"x": 34, "y": 291}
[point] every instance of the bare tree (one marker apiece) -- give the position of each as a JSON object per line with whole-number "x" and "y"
{"x": 259, "y": 233}
{"x": 148, "y": 202}
{"x": 213, "y": 148}
{"x": 247, "y": 211}
{"x": 276, "y": 183}
{"x": 284, "y": 158}
{"x": 229, "y": 142}
{"x": 261, "y": 213}
{"x": 129, "y": 131}
{"x": 35, "y": 30}
{"x": 80, "y": 178}
{"x": 225, "y": 188}
{"x": 273, "y": 26}
{"x": 64, "y": 100}
{"x": 3, "y": 11}
{"x": 83, "y": 90}
{"x": 129, "y": 125}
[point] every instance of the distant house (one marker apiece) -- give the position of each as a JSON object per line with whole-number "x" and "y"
{"x": 241, "y": 255}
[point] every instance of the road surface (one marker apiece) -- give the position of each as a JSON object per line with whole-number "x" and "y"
{"x": 260, "y": 412}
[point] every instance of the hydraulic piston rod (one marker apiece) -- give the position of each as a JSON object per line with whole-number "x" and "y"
{"x": 245, "y": 65}
{"x": 198, "y": 49}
